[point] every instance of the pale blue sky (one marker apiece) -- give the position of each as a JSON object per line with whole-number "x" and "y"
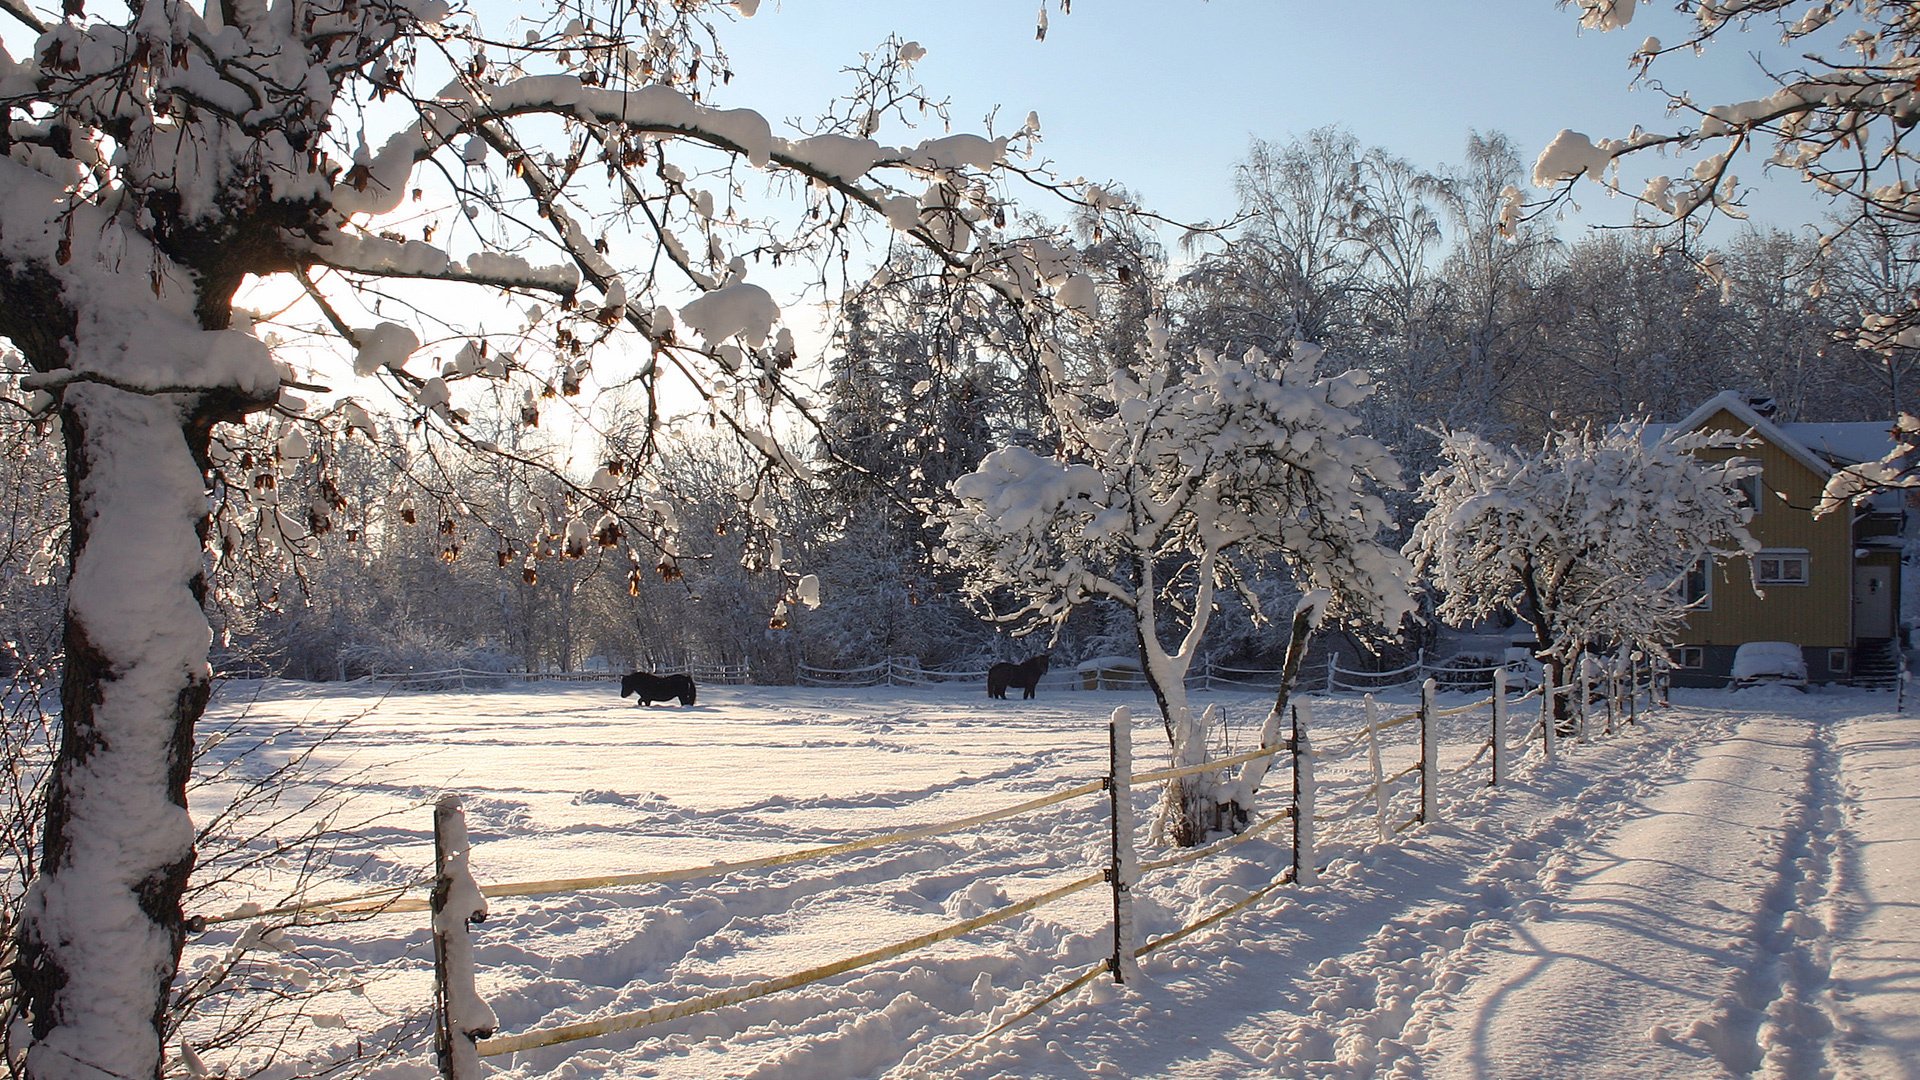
{"x": 1163, "y": 95}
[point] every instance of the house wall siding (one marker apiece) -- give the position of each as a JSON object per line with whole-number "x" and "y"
{"x": 1817, "y": 614}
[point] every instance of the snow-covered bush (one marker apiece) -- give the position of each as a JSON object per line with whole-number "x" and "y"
{"x": 1588, "y": 539}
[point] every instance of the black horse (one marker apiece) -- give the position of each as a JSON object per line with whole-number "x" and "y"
{"x": 1025, "y": 675}
{"x": 652, "y": 688}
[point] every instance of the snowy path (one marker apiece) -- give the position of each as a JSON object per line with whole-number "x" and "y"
{"x": 1651, "y": 951}
{"x": 1876, "y": 954}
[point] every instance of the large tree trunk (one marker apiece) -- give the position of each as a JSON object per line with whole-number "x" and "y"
{"x": 102, "y": 926}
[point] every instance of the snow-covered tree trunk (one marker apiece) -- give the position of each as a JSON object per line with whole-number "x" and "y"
{"x": 103, "y": 929}
{"x": 1191, "y": 809}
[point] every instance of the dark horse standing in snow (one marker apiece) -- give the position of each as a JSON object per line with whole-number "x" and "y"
{"x": 1025, "y": 675}
{"x": 652, "y": 688}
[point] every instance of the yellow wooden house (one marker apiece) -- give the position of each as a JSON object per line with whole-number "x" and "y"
{"x": 1830, "y": 585}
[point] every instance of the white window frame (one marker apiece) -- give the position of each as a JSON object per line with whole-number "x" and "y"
{"x": 1781, "y": 557}
{"x": 1690, "y": 657}
{"x": 1839, "y": 661}
{"x": 1705, "y": 566}
{"x": 1752, "y": 488}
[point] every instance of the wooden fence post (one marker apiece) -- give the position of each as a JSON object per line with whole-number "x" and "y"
{"x": 1372, "y": 714}
{"x": 1549, "y": 737}
{"x": 1633, "y": 687}
{"x": 460, "y": 1016}
{"x": 1122, "y": 869}
{"x": 1582, "y": 693}
{"x": 1333, "y": 670}
{"x": 1429, "y": 755}
{"x": 1499, "y": 748}
{"x": 1611, "y": 681}
{"x": 1304, "y": 870}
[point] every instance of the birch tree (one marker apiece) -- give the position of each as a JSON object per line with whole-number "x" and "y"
{"x": 570, "y": 186}
{"x": 1169, "y": 486}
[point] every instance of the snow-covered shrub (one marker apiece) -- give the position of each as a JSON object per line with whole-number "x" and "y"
{"x": 1588, "y": 539}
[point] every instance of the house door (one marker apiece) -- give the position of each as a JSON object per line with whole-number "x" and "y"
{"x": 1872, "y": 602}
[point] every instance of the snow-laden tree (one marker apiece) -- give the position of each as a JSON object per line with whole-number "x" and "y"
{"x": 1588, "y": 539}
{"x": 379, "y": 172}
{"x": 1167, "y": 489}
{"x": 1842, "y": 109}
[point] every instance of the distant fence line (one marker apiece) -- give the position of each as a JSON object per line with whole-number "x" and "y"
{"x": 466, "y": 678}
{"x": 1325, "y": 678}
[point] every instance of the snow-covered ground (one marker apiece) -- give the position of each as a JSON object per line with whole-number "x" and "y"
{"x": 1732, "y": 886}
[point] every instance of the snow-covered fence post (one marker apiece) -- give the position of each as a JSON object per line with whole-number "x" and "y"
{"x": 1548, "y": 735}
{"x": 1499, "y": 747}
{"x": 1379, "y": 774}
{"x": 1582, "y": 693}
{"x": 461, "y": 1017}
{"x": 1633, "y": 687}
{"x": 1420, "y": 663}
{"x": 1610, "y": 686}
{"x": 1303, "y": 796}
{"x": 1123, "y": 868}
{"x": 1429, "y": 755}
{"x": 1333, "y": 670}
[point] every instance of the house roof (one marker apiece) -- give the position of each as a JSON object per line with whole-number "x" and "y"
{"x": 1820, "y": 447}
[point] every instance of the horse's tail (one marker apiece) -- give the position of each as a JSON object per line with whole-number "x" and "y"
{"x": 687, "y": 698}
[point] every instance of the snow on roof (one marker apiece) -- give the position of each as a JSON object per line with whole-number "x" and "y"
{"x": 1846, "y": 444}
{"x": 1820, "y": 447}
{"x": 1110, "y": 663}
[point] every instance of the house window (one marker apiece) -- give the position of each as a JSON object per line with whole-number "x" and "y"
{"x": 1837, "y": 661}
{"x": 1696, "y": 588}
{"x": 1750, "y": 486}
{"x": 1690, "y": 656}
{"x": 1780, "y": 568}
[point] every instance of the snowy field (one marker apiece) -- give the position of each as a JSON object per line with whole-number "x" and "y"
{"x": 1730, "y": 887}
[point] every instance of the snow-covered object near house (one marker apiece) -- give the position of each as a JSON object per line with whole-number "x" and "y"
{"x": 1769, "y": 661}
{"x": 1172, "y": 485}
{"x": 1588, "y": 538}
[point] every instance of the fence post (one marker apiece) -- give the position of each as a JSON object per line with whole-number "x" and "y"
{"x": 1582, "y": 692}
{"x": 1372, "y": 715}
{"x": 460, "y": 1015}
{"x": 1420, "y": 663}
{"x": 1499, "y": 749}
{"x": 1633, "y": 687}
{"x": 1304, "y": 871}
{"x": 1122, "y": 868}
{"x": 1549, "y": 737}
{"x": 1429, "y": 756}
{"x": 1611, "y": 680}
{"x": 1333, "y": 670}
